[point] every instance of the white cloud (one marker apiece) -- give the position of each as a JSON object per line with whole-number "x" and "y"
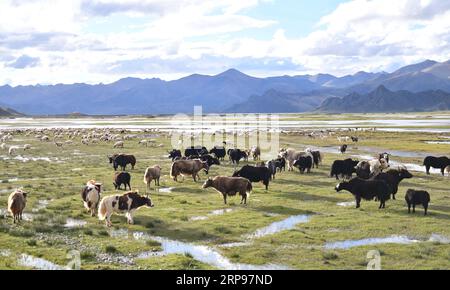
{"x": 190, "y": 36}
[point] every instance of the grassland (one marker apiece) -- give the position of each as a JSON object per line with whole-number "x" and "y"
{"x": 59, "y": 183}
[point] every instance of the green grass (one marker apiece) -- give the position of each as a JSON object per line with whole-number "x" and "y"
{"x": 289, "y": 194}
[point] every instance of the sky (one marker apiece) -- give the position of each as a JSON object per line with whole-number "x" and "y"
{"x": 101, "y": 41}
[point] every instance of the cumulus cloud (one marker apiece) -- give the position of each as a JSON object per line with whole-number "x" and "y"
{"x": 24, "y": 61}
{"x": 179, "y": 37}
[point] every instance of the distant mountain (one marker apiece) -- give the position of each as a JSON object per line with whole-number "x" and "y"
{"x": 384, "y": 100}
{"x": 274, "y": 101}
{"x": 230, "y": 90}
{"x": 7, "y": 112}
{"x": 427, "y": 75}
{"x": 149, "y": 96}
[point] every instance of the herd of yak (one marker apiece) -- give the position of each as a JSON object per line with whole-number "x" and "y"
{"x": 375, "y": 179}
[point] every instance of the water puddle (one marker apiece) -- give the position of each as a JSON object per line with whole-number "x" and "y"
{"x": 37, "y": 263}
{"x": 73, "y": 223}
{"x": 166, "y": 189}
{"x": 41, "y": 204}
{"x": 212, "y": 213}
{"x": 346, "y": 204}
{"x": 403, "y": 240}
{"x": 206, "y": 255}
{"x": 438, "y": 142}
{"x": 276, "y": 227}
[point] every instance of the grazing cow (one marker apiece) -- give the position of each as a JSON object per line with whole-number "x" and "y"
{"x": 219, "y": 152}
{"x": 417, "y": 197}
{"x": 152, "y": 173}
{"x": 230, "y": 186}
{"x": 280, "y": 164}
{"x": 393, "y": 177}
{"x": 118, "y": 144}
{"x": 291, "y": 155}
{"x": 236, "y": 155}
{"x": 128, "y": 203}
{"x": 256, "y": 153}
{"x": 366, "y": 189}
{"x": 16, "y": 204}
{"x": 174, "y": 154}
{"x": 344, "y": 168}
{"x": 343, "y": 148}
{"x": 122, "y": 160}
{"x": 91, "y": 196}
{"x": 304, "y": 163}
{"x": 272, "y": 168}
{"x": 436, "y": 162}
{"x": 122, "y": 178}
{"x": 354, "y": 139}
{"x": 207, "y": 158}
{"x": 384, "y": 156}
{"x": 363, "y": 170}
{"x": 196, "y": 151}
{"x": 377, "y": 166}
{"x": 255, "y": 174}
{"x": 188, "y": 167}
{"x": 317, "y": 157}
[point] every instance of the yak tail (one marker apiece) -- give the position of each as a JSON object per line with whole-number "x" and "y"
{"x": 102, "y": 210}
{"x": 249, "y": 188}
{"x": 145, "y": 176}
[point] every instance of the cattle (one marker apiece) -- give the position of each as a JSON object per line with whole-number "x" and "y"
{"x": 236, "y": 155}
{"x": 304, "y": 163}
{"x": 436, "y": 162}
{"x": 255, "y": 174}
{"x": 122, "y": 160}
{"x": 291, "y": 155}
{"x": 354, "y": 139}
{"x": 363, "y": 170}
{"x": 219, "y": 152}
{"x": 188, "y": 167}
{"x": 16, "y": 204}
{"x": 152, "y": 173}
{"x": 366, "y": 189}
{"x": 174, "y": 154}
{"x": 195, "y": 150}
{"x": 317, "y": 157}
{"x": 256, "y": 153}
{"x": 280, "y": 164}
{"x": 393, "y": 177}
{"x": 90, "y": 195}
{"x": 128, "y": 203}
{"x": 344, "y": 168}
{"x": 230, "y": 186}
{"x": 272, "y": 168}
{"x": 207, "y": 158}
{"x": 417, "y": 197}
{"x": 343, "y": 148}
{"x": 384, "y": 156}
{"x": 118, "y": 144}
{"x": 122, "y": 178}
{"x": 377, "y": 166}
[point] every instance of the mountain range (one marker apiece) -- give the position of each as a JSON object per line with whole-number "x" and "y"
{"x": 234, "y": 91}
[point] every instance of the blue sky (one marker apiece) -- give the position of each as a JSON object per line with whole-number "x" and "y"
{"x": 67, "y": 41}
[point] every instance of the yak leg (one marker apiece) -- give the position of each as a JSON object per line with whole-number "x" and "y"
{"x": 425, "y": 207}
{"x": 428, "y": 169}
{"x": 442, "y": 171}
{"x": 358, "y": 202}
{"x": 409, "y": 208}
{"x": 414, "y": 208}
{"x": 224, "y": 198}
